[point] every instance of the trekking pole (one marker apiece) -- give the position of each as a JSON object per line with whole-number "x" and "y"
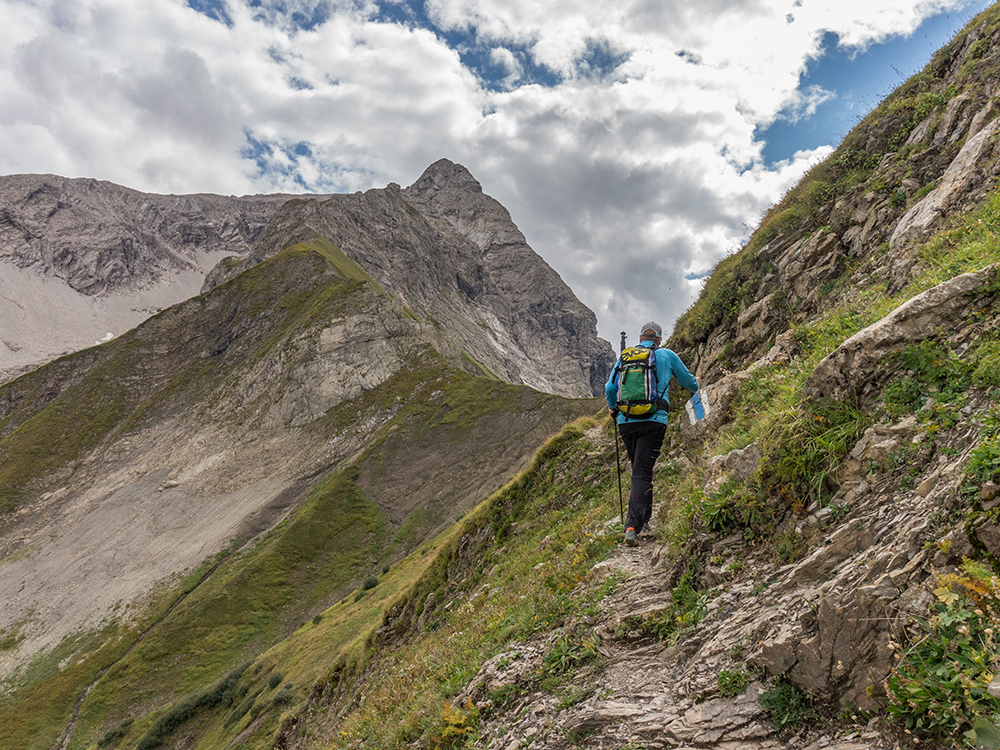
{"x": 618, "y": 456}
{"x": 618, "y": 459}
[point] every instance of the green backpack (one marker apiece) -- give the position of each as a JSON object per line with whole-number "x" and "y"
{"x": 638, "y": 391}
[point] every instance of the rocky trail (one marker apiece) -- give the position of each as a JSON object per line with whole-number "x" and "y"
{"x": 825, "y": 622}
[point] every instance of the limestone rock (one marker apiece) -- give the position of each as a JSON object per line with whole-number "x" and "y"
{"x": 453, "y": 255}
{"x": 876, "y": 447}
{"x": 953, "y": 186}
{"x": 809, "y": 263}
{"x": 737, "y": 465}
{"x": 722, "y": 720}
{"x": 100, "y": 237}
{"x": 854, "y": 364}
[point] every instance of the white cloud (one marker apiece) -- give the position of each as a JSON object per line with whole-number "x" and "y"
{"x": 503, "y": 58}
{"x": 638, "y": 169}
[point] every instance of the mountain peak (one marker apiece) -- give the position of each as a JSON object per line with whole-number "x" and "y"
{"x": 444, "y": 174}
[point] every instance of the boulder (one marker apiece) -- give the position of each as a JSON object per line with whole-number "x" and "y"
{"x": 756, "y": 322}
{"x": 952, "y": 189}
{"x": 738, "y": 464}
{"x": 845, "y": 372}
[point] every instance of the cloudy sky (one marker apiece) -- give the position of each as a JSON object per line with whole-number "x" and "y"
{"x": 634, "y": 142}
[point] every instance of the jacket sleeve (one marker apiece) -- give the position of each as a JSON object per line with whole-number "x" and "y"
{"x": 611, "y": 388}
{"x": 679, "y": 371}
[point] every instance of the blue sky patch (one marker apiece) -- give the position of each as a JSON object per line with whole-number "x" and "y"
{"x": 600, "y": 60}
{"x": 475, "y": 53}
{"x": 300, "y": 15}
{"x": 695, "y": 276}
{"x": 214, "y": 9}
{"x": 859, "y": 81}
{"x": 278, "y": 162}
{"x": 262, "y": 153}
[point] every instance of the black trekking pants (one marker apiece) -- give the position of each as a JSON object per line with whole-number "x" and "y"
{"x": 643, "y": 441}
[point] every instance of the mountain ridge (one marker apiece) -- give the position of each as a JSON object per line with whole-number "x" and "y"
{"x": 79, "y": 257}
{"x": 453, "y": 255}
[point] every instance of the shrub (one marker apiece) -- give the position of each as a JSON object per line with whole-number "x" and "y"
{"x": 240, "y": 711}
{"x": 115, "y": 734}
{"x": 903, "y": 396}
{"x": 787, "y": 705}
{"x": 283, "y": 697}
{"x": 940, "y": 685}
{"x": 987, "y": 364}
{"x": 983, "y": 464}
{"x": 570, "y": 651}
{"x": 732, "y": 682}
{"x": 370, "y": 583}
{"x": 455, "y": 727}
{"x": 274, "y": 680}
{"x": 220, "y": 693}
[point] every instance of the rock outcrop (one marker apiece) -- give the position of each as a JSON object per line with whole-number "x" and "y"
{"x": 846, "y": 372}
{"x": 455, "y": 257}
{"x": 953, "y": 189}
{"x": 81, "y": 259}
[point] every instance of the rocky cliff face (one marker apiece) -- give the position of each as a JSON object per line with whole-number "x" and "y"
{"x": 99, "y": 237}
{"x": 924, "y": 157}
{"x": 454, "y": 256}
{"x": 82, "y": 258}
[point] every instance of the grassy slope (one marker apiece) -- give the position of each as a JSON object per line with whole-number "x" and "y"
{"x": 535, "y": 587}
{"x": 237, "y": 605}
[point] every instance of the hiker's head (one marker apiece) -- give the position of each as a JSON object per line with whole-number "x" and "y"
{"x": 651, "y": 332}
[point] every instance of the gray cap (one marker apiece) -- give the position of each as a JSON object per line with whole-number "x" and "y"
{"x": 651, "y": 326}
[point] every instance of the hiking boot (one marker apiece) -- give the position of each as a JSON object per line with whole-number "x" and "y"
{"x": 630, "y": 537}
{"x": 645, "y": 529}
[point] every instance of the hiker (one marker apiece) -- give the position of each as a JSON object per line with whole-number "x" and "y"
{"x": 642, "y": 428}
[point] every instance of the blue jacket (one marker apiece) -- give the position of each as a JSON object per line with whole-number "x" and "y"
{"x": 668, "y": 365}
